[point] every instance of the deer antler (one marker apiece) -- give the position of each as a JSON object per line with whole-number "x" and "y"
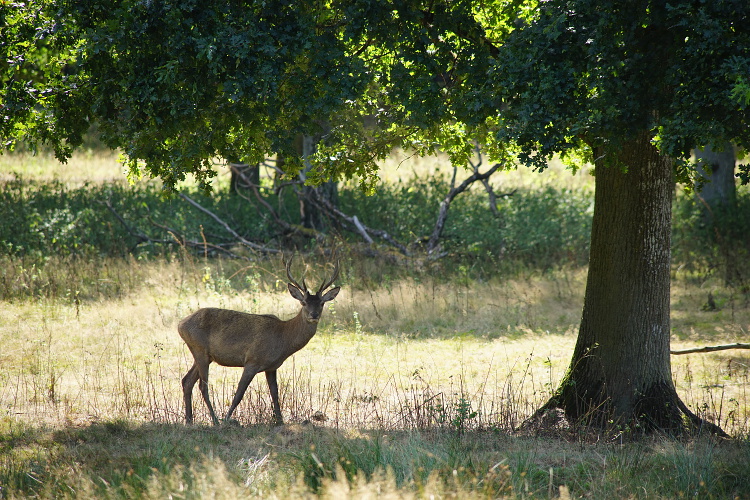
{"x": 302, "y": 288}
{"x": 328, "y": 283}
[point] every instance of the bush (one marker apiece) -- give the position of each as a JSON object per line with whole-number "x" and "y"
{"x": 534, "y": 228}
{"x": 713, "y": 241}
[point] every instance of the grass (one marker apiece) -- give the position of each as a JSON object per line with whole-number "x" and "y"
{"x": 97, "y": 165}
{"x": 373, "y": 404}
{"x": 414, "y": 387}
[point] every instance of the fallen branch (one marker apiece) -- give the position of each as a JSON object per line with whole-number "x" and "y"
{"x": 240, "y": 239}
{"x": 355, "y": 225}
{"x": 176, "y": 240}
{"x": 181, "y": 240}
{"x": 139, "y": 236}
{"x": 712, "y": 348}
{"x": 281, "y": 223}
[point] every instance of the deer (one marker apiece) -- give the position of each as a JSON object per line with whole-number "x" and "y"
{"x": 255, "y": 342}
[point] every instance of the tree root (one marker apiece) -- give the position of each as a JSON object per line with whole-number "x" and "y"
{"x": 661, "y": 413}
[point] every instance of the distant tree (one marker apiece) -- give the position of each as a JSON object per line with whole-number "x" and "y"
{"x": 630, "y": 86}
{"x": 717, "y": 184}
{"x": 716, "y": 193}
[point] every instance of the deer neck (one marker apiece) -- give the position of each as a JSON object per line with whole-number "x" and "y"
{"x": 300, "y": 331}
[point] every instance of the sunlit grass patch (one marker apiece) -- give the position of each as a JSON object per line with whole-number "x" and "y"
{"x": 87, "y": 165}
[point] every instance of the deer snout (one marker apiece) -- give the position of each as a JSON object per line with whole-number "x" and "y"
{"x": 313, "y": 316}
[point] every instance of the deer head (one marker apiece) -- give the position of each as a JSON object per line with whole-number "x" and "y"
{"x": 312, "y": 303}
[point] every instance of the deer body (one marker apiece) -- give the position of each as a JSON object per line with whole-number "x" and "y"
{"x": 256, "y": 342}
{"x": 233, "y": 338}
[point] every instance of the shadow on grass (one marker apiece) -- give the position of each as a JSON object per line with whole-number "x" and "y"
{"x": 120, "y": 458}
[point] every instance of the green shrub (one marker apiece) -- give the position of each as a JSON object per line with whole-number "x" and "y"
{"x": 533, "y": 229}
{"x": 713, "y": 241}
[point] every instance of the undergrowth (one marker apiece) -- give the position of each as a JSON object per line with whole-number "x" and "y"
{"x": 59, "y": 239}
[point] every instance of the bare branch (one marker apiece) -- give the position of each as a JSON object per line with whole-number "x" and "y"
{"x": 141, "y": 237}
{"x": 144, "y": 238}
{"x": 240, "y": 239}
{"x": 712, "y": 348}
{"x": 365, "y": 231}
{"x": 281, "y": 223}
{"x": 180, "y": 239}
{"x": 361, "y": 228}
{"x": 455, "y": 191}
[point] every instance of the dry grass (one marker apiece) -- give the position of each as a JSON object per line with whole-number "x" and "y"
{"x": 396, "y": 410}
{"x": 93, "y": 166}
{"x": 360, "y": 369}
{"x": 404, "y": 356}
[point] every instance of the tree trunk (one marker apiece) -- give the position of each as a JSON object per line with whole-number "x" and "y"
{"x": 620, "y": 372}
{"x": 717, "y": 170}
{"x": 310, "y": 214}
{"x": 718, "y": 197}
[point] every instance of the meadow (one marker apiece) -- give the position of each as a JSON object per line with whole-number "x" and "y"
{"x": 416, "y": 385}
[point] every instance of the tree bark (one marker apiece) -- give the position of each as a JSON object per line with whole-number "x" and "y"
{"x": 620, "y": 372}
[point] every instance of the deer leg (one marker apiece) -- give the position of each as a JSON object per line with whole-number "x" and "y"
{"x": 203, "y": 386}
{"x": 273, "y": 387}
{"x": 188, "y": 382}
{"x": 247, "y": 377}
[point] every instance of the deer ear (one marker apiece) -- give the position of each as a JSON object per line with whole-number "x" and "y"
{"x": 296, "y": 292}
{"x": 330, "y": 294}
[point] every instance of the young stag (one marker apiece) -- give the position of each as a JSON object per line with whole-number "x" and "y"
{"x": 257, "y": 342}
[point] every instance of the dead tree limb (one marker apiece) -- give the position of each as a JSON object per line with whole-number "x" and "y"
{"x": 352, "y": 223}
{"x": 227, "y": 228}
{"x": 281, "y": 223}
{"x": 432, "y": 243}
{"x": 178, "y": 239}
{"x": 204, "y": 245}
{"x": 712, "y": 348}
{"x": 139, "y": 236}
{"x": 488, "y": 187}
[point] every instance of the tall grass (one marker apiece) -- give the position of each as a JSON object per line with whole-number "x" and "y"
{"x": 92, "y": 406}
{"x": 415, "y": 386}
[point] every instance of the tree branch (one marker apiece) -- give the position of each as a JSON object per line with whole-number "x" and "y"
{"x": 178, "y": 239}
{"x": 455, "y": 191}
{"x": 182, "y": 240}
{"x": 141, "y": 237}
{"x": 284, "y": 225}
{"x": 240, "y": 239}
{"x": 357, "y": 224}
{"x": 712, "y": 348}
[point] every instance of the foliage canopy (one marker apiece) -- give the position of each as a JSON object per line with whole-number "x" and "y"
{"x": 178, "y": 83}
